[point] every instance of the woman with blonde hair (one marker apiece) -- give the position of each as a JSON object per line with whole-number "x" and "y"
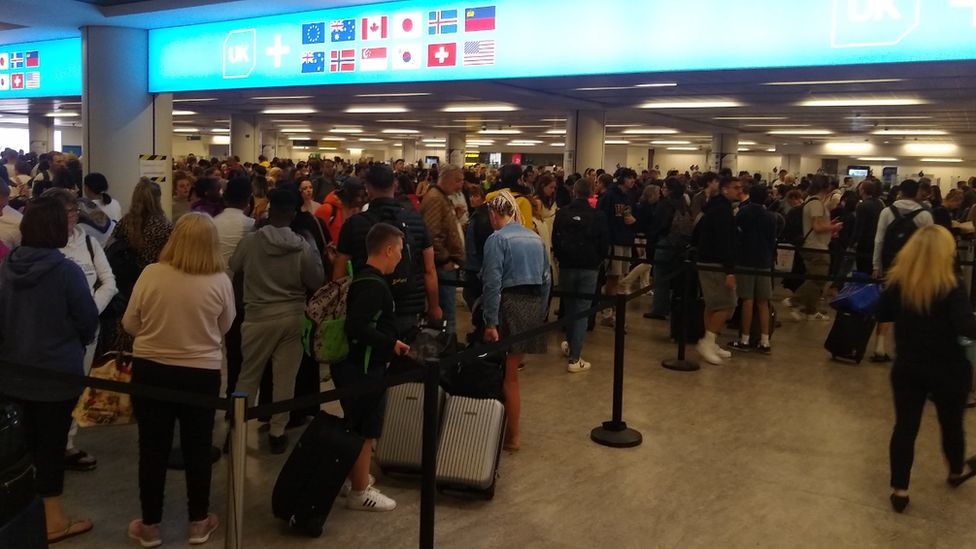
{"x": 179, "y": 312}
{"x": 929, "y": 305}
{"x": 516, "y": 281}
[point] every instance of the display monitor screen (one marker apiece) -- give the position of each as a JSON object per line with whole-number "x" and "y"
{"x": 40, "y": 69}
{"x": 858, "y": 171}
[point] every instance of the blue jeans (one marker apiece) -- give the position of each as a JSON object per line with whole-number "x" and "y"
{"x": 663, "y": 268}
{"x": 447, "y": 295}
{"x": 577, "y": 281}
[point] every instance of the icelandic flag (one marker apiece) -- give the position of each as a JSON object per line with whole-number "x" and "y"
{"x": 442, "y": 22}
{"x": 33, "y": 80}
{"x": 342, "y": 60}
{"x": 343, "y": 30}
{"x": 313, "y": 61}
{"x": 406, "y": 57}
{"x": 33, "y": 59}
{"x": 313, "y": 33}
{"x": 373, "y": 59}
{"x": 374, "y": 28}
{"x": 479, "y": 19}
{"x": 16, "y": 60}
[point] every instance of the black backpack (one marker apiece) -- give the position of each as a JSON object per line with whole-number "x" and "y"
{"x": 401, "y": 280}
{"x": 573, "y": 242}
{"x": 793, "y": 228}
{"x": 902, "y": 228}
{"x": 16, "y": 469}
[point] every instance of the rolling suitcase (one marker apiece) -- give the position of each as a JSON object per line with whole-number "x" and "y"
{"x": 400, "y": 449}
{"x": 848, "y": 337}
{"x": 755, "y": 332}
{"x": 313, "y": 475}
{"x": 470, "y": 444}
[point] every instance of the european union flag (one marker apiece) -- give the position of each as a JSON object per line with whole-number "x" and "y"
{"x": 313, "y": 33}
{"x": 313, "y": 61}
{"x": 343, "y": 30}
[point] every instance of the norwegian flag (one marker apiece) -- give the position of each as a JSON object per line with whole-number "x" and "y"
{"x": 342, "y": 60}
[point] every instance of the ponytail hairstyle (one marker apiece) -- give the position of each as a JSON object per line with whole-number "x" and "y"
{"x": 98, "y": 184}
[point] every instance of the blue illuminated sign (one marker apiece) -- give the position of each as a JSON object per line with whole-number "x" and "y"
{"x": 423, "y": 40}
{"x": 40, "y": 69}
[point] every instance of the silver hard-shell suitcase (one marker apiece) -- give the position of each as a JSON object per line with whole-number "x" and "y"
{"x": 470, "y": 444}
{"x": 400, "y": 449}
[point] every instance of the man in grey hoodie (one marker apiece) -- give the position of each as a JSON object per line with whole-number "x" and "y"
{"x": 280, "y": 268}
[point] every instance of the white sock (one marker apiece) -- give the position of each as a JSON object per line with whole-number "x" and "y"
{"x": 744, "y": 339}
{"x": 710, "y": 338}
{"x": 764, "y": 340}
{"x": 879, "y": 345}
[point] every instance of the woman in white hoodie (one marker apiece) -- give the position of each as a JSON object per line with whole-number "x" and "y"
{"x": 87, "y": 253}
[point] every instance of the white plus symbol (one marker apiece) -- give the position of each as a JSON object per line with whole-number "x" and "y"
{"x": 965, "y": 4}
{"x": 442, "y": 54}
{"x": 277, "y": 51}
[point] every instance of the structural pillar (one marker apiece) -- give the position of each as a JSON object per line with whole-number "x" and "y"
{"x": 409, "y": 151}
{"x": 725, "y": 152}
{"x": 40, "y": 131}
{"x": 245, "y": 137}
{"x": 585, "y": 133}
{"x": 120, "y": 119}
{"x": 455, "y": 148}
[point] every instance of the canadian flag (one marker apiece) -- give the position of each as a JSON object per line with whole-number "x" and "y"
{"x": 374, "y": 28}
{"x": 406, "y": 25}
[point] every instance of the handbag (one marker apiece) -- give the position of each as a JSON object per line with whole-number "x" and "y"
{"x": 100, "y": 407}
{"x": 858, "y": 297}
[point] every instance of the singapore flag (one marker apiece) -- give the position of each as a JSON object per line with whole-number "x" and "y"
{"x": 406, "y": 25}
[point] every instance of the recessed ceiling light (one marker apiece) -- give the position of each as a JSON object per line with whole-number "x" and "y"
{"x": 889, "y": 117}
{"x": 651, "y": 131}
{"x": 557, "y": 144}
{"x": 186, "y": 130}
{"x": 327, "y": 148}
{"x": 194, "y": 100}
{"x": 878, "y": 159}
{"x": 849, "y": 148}
{"x": 862, "y": 102}
{"x": 220, "y": 130}
{"x": 62, "y": 114}
{"x": 476, "y": 142}
{"x": 346, "y": 130}
{"x": 332, "y": 138}
{"x": 909, "y": 132}
{"x": 831, "y": 82}
{"x": 397, "y": 121}
{"x": 404, "y": 94}
{"x": 771, "y": 150}
{"x": 682, "y": 148}
{"x": 296, "y": 130}
{"x": 670, "y": 142}
{"x": 800, "y": 132}
{"x": 952, "y": 160}
{"x": 930, "y": 148}
{"x": 616, "y": 142}
{"x": 273, "y": 97}
{"x": 436, "y": 140}
{"x": 183, "y": 113}
{"x": 556, "y": 132}
{"x": 376, "y": 109}
{"x": 480, "y": 107}
{"x": 301, "y": 138}
{"x": 701, "y": 104}
{"x": 290, "y": 110}
{"x": 747, "y": 142}
{"x": 750, "y": 118}
{"x": 370, "y": 140}
{"x": 500, "y": 132}
{"x": 399, "y": 130}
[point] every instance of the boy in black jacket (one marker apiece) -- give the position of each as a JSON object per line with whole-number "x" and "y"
{"x": 372, "y": 332}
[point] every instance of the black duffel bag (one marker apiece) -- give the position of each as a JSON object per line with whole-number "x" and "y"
{"x": 16, "y": 468}
{"x": 480, "y": 377}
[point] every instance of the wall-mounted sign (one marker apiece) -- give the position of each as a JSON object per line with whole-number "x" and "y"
{"x": 424, "y": 40}
{"x": 40, "y": 69}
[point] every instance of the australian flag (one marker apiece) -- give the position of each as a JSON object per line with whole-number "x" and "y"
{"x": 313, "y": 33}
{"x": 313, "y": 61}
{"x": 343, "y": 30}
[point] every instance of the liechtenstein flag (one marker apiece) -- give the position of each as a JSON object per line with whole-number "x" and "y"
{"x": 479, "y": 19}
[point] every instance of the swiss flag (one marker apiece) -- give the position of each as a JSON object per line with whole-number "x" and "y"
{"x": 374, "y": 28}
{"x": 406, "y": 25}
{"x": 442, "y": 55}
{"x": 17, "y": 81}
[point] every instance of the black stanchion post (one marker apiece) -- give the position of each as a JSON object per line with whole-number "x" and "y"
{"x": 234, "y": 536}
{"x": 615, "y": 433}
{"x": 681, "y": 364}
{"x": 428, "y": 491}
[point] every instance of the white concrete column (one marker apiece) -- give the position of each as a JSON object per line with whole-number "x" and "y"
{"x": 455, "y": 148}
{"x": 120, "y": 119}
{"x": 40, "y": 131}
{"x": 725, "y": 152}
{"x": 245, "y": 137}
{"x": 790, "y": 163}
{"x": 585, "y": 133}
{"x": 409, "y": 151}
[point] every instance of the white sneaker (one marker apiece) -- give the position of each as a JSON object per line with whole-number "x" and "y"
{"x": 578, "y": 366}
{"x": 370, "y": 500}
{"x": 565, "y": 348}
{"x": 818, "y": 316}
{"x": 707, "y": 352}
{"x": 722, "y": 353}
{"x": 797, "y": 316}
{"x": 347, "y": 486}
{"x": 788, "y": 303}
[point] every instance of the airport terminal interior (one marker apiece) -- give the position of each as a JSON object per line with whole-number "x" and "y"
{"x": 788, "y": 448}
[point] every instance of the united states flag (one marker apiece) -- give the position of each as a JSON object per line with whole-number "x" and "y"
{"x": 479, "y": 52}
{"x": 33, "y": 80}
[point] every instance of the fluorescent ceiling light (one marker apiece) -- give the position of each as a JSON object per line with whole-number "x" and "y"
{"x": 500, "y": 132}
{"x": 376, "y": 109}
{"x": 221, "y": 140}
{"x": 194, "y": 100}
{"x": 290, "y": 110}
{"x": 750, "y": 118}
{"x": 405, "y": 94}
{"x": 481, "y": 143}
{"x": 772, "y": 150}
{"x": 682, "y": 148}
{"x": 397, "y": 120}
{"x": 552, "y": 120}
{"x": 860, "y": 102}
{"x": 183, "y": 113}
{"x": 63, "y": 114}
{"x": 889, "y": 117}
{"x": 878, "y": 159}
{"x": 370, "y": 140}
{"x": 556, "y": 132}
{"x": 777, "y": 125}
{"x": 647, "y": 85}
{"x": 301, "y": 138}
{"x": 434, "y": 140}
{"x": 651, "y": 131}
{"x": 656, "y": 85}
{"x": 557, "y": 144}
{"x": 930, "y": 148}
{"x": 700, "y": 104}
{"x": 399, "y": 130}
{"x": 220, "y": 130}
{"x": 952, "y": 160}
{"x": 832, "y": 82}
{"x": 849, "y": 148}
{"x": 327, "y": 148}
{"x": 480, "y": 107}
{"x": 346, "y": 130}
{"x": 623, "y": 126}
{"x": 909, "y": 132}
{"x": 800, "y": 132}
{"x": 440, "y": 126}
{"x": 616, "y": 142}
{"x": 273, "y": 97}
{"x": 186, "y": 130}
{"x": 747, "y": 142}
{"x": 296, "y": 130}
{"x": 333, "y": 138}
{"x": 671, "y": 142}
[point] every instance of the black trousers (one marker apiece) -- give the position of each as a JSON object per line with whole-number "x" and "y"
{"x": 157, "y": 420}
{"x": 46, "y": 426}
{"x": 949, "y": 386}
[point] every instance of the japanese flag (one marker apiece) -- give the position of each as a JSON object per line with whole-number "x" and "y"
{"x": 374, "y": 28}
{"x": 4, "y": 61}
{"x": 406, "y": 57}
{"x": 406, "y": 25}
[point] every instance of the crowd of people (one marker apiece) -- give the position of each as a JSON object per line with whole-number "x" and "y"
{"x": 221, "y": 283}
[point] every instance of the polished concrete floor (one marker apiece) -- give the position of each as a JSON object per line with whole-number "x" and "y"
{"x": 788, "y": 450}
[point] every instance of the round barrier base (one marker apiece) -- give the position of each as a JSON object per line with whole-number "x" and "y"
{"x": 681, "y": 365}
{"x": 616, "y": 435}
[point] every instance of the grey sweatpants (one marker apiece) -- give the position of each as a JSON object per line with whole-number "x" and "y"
{"x": 278, "y": 339}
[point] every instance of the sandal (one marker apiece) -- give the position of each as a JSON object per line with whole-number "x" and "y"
{"x": 71, "y": 531}
{"x": 79, "y": 460}
{"x": 880, "y": 358}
